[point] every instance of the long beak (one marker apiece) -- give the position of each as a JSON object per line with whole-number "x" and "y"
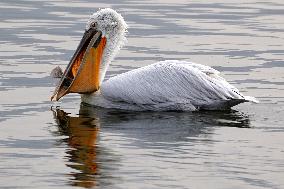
{"x": 82, "y": 73}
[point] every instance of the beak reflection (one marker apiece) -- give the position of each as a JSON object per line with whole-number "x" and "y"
{"x": 82, "y": 135}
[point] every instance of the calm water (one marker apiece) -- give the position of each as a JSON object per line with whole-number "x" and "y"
{"x": 74, "y": 145}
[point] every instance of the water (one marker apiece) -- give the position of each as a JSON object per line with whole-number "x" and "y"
{"x": 74, "y": 145}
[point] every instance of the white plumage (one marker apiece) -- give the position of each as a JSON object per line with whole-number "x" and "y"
{"x": 163, "y": 86}
{"x": 168, "y": 85}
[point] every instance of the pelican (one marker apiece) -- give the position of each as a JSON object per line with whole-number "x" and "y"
{"x": 162, "y": 86}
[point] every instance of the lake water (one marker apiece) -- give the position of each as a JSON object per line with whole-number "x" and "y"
{"x": 73, "y": 145}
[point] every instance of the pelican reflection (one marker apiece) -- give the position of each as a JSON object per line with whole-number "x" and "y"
{"x": 94, "y": 164}
{"x": 82, "y": 135}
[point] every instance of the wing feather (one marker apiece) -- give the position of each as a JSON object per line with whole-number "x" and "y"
{"x": 170, "y": 82}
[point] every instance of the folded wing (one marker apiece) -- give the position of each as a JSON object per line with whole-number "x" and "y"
{"x": 171, "y": 82}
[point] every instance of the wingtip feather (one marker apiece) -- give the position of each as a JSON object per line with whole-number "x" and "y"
{"x": 251, "y": 99}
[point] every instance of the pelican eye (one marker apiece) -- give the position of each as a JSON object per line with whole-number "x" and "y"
{"x": 94, "y": 24}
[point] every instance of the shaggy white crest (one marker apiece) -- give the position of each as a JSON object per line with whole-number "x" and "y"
{"x": 109, "y": 22}
{"x": 114, "y": 28}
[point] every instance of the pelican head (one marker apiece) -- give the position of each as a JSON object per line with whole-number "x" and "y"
{"x": 104, "y": 36}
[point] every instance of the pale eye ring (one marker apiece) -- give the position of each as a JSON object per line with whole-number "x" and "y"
{"x": 93, "y": 25}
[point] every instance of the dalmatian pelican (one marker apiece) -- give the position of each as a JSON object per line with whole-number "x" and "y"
{"x": 162, "y": 86}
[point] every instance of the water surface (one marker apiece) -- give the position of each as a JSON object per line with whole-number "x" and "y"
{"x": 74, "y": 145}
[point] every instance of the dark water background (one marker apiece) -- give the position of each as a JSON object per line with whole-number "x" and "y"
{"x": 80, "y": 146}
